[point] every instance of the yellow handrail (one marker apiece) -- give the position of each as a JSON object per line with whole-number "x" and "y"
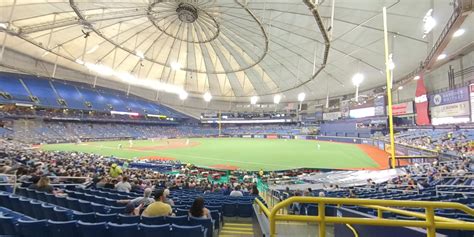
{"x": 430, "y": 222}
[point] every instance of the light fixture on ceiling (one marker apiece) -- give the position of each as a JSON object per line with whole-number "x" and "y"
{"x": 301, "y": 96}
{"x": 176, "y": 66}
{"x": 93, "y": 49}
{"x": 100, "y": 69}
{"x": 417, "y": 77}
{"x": 276, "y": 99}
{"x": 391, "y": 64}
{"x": 79, "y": 61}
{"x": 86, "y": 34}
{"x": 400, "y": 88}
{"x": 357, "y": 80}
{"x": 45, "y": 53}
{"x": 459, "y": 32}
{"x": 428, "y": 23}
{"x": 3, "y": 25}
{"x": 441, "y": 56}
{"x": 253, "y": 100}
{"x": 183, "y": 95}
{"x": 207, "y": 96}
{"x": 140, "y": 54}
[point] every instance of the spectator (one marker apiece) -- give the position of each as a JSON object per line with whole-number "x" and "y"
{"x": 198, "y": 210}
{"x": 254, "y": 190}
{"x": 158, "y": 208}
{"x": 170, "y": 201}
{"x": 236, "y": 192}
{"x": 43, "y": 185}
{"x": 145, "y": 200}
{"x": 123, "y": 185}
{"x": 115, "y": 171}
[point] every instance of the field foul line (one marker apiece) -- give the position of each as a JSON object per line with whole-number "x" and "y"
{"x": 192, "y": 156}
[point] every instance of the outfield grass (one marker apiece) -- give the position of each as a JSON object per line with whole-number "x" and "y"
{"x": 249, "y": 154}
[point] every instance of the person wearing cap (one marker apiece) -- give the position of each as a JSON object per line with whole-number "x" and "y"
{"x": 115, "y": 171}
{"x": 158, "y": 208}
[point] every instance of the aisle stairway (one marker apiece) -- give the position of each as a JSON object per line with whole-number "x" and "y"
{"x": 237, "y": 230}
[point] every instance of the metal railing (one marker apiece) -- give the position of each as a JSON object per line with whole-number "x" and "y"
{"x": 429, "y": 220}
{"x": 438, "y": 191}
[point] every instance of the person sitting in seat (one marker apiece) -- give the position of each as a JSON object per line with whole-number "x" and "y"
{"x": 158, "y": 208}
{"x": 43, "y": 185}
{"x": 198, "y": 210}
{"x": 145, "y": 200}
{"x": 236, "y": 192}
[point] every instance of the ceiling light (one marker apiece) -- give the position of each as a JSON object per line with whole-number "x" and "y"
{"x": 45, "y": 53}
{"x": 428, "y": 23}
{"x": 207, "y": 96}
{"x": 441, "y": 56}
{"x": 416, "y": 77}
{"x": 276, "y": 99}
{"x": 357, "y": 79}
{"x": 101, "y": 69}
{"x": 3, "y": 25}
{"x": 400, "y": 88}
{"x": 391, "y": 64}
{"x": 301, "y": 96}
{"x": 140, "y": 54}
{"x": 79, "y": 61}
{"x": 93, "y": 49}
{"x": 175, "y": 66}
{"x": 253, "y": 100}
{"x": 459, "y": 32}
{"x": 183, "y": 95}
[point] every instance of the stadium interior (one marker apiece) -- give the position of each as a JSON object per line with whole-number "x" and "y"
{"x": 236, "y": 118}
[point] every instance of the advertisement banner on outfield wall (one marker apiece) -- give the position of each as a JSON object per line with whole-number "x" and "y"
{"x": 403, "y": 108}
{"x": 285, "y": 136}
{"x": 471, "y": 90}
{"x": 379, "y": 104}
{"x": 449, "y": 97}
{"x": 451, "y": 110}
{"x": 331, "y": 116}
{"x": 246, "y": 136}
{"x": 272, "y": 136}
{"x": 258, "y": 136}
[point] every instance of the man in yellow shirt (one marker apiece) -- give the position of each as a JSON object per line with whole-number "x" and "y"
{"x": 115, "y": 171}
{"x": 158, "y": 208}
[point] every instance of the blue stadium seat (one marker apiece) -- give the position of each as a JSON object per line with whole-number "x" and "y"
{"x": 37, "y": 210}
{"x": 229, "y": 209}
{"x": 99, "y": 208}
{"x": 32, "y": 228}
{"x": 84, "y": 217}
{"x": 73, "y": 203}
{"x": 181, "y": 212}
{"x": 5, "y": 200}
{"x": 125, "y": 230}
{"x": 194, "y": 231}
{"x": 61, "y": 214}
{"x": 85, "y": 206}
{"x": 100, "y": 217}
{"x": 48, "y": 211}
{"x": 127, "y": 219}
{"x": 7, "y": 226}
{"x": 244, "y": 209}
{"x": 155, "y": 230}
{"x": 216, "y": 216}
{"x": 91, "y": 229}
{"x": 178, "y": 220}
{"x": 117, "y": 210}
{"x": 62, "y": 228}
{"x": 157, "y": 220}
{"x": 206, "y": 223}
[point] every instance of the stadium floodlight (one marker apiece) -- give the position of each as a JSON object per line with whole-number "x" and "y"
{"x": 276, "y": 99}
{"x": 207, "y": 96}
{"x": 253, "y": 100}
{"x": 417, "y": 77}
{"x": 357, "y": 80}
{"x": 3, "y": 25}
{"x": 140, "y": 54}
{"x": 400, "y": 88}
{"x": 391, "y": 64}
{"x": 124, "y": 113}
{"x": 459, "y": 32}
{"x": 183, "y": 95}
{"x": 79, "y": 61}
{"x": 428, "y": 23}
{"x": 93, "y": 49}
{"x": 441, "y": 56}
{"x": 301, "y": 96}
{"x": 176, "y": 66}
{"x": 101, "y": 69}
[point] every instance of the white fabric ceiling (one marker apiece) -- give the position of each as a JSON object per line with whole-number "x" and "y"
{"x": 234, "y": 50}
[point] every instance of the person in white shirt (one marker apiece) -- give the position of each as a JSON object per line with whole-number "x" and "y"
{"x": 236, "y": 192}
{"x": 123, "y": 185}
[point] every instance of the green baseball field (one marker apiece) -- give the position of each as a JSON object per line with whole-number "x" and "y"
{"x": 240, "y": 153}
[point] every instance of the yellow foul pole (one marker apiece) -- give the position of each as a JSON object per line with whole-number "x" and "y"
{"x": 389, "y": 88}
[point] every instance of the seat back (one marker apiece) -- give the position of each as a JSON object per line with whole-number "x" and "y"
{"x": 178, "y": 220}
{"x": 126, "y": 219}
{"x": 205, "y": 222}
{"x": 32, "y": 228}
{"x": 156, "y": 220}
{"x": 62, "y": 228}
{"x": 99, "y": 217}
{"x": 155, "y": 230}
{"x": 85, "y": 229}
{"x": 179, "y": 231}
{"x": 6, "y": 225}
{"x": 125, "y": 230}
{"x": 84, "y": 217}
